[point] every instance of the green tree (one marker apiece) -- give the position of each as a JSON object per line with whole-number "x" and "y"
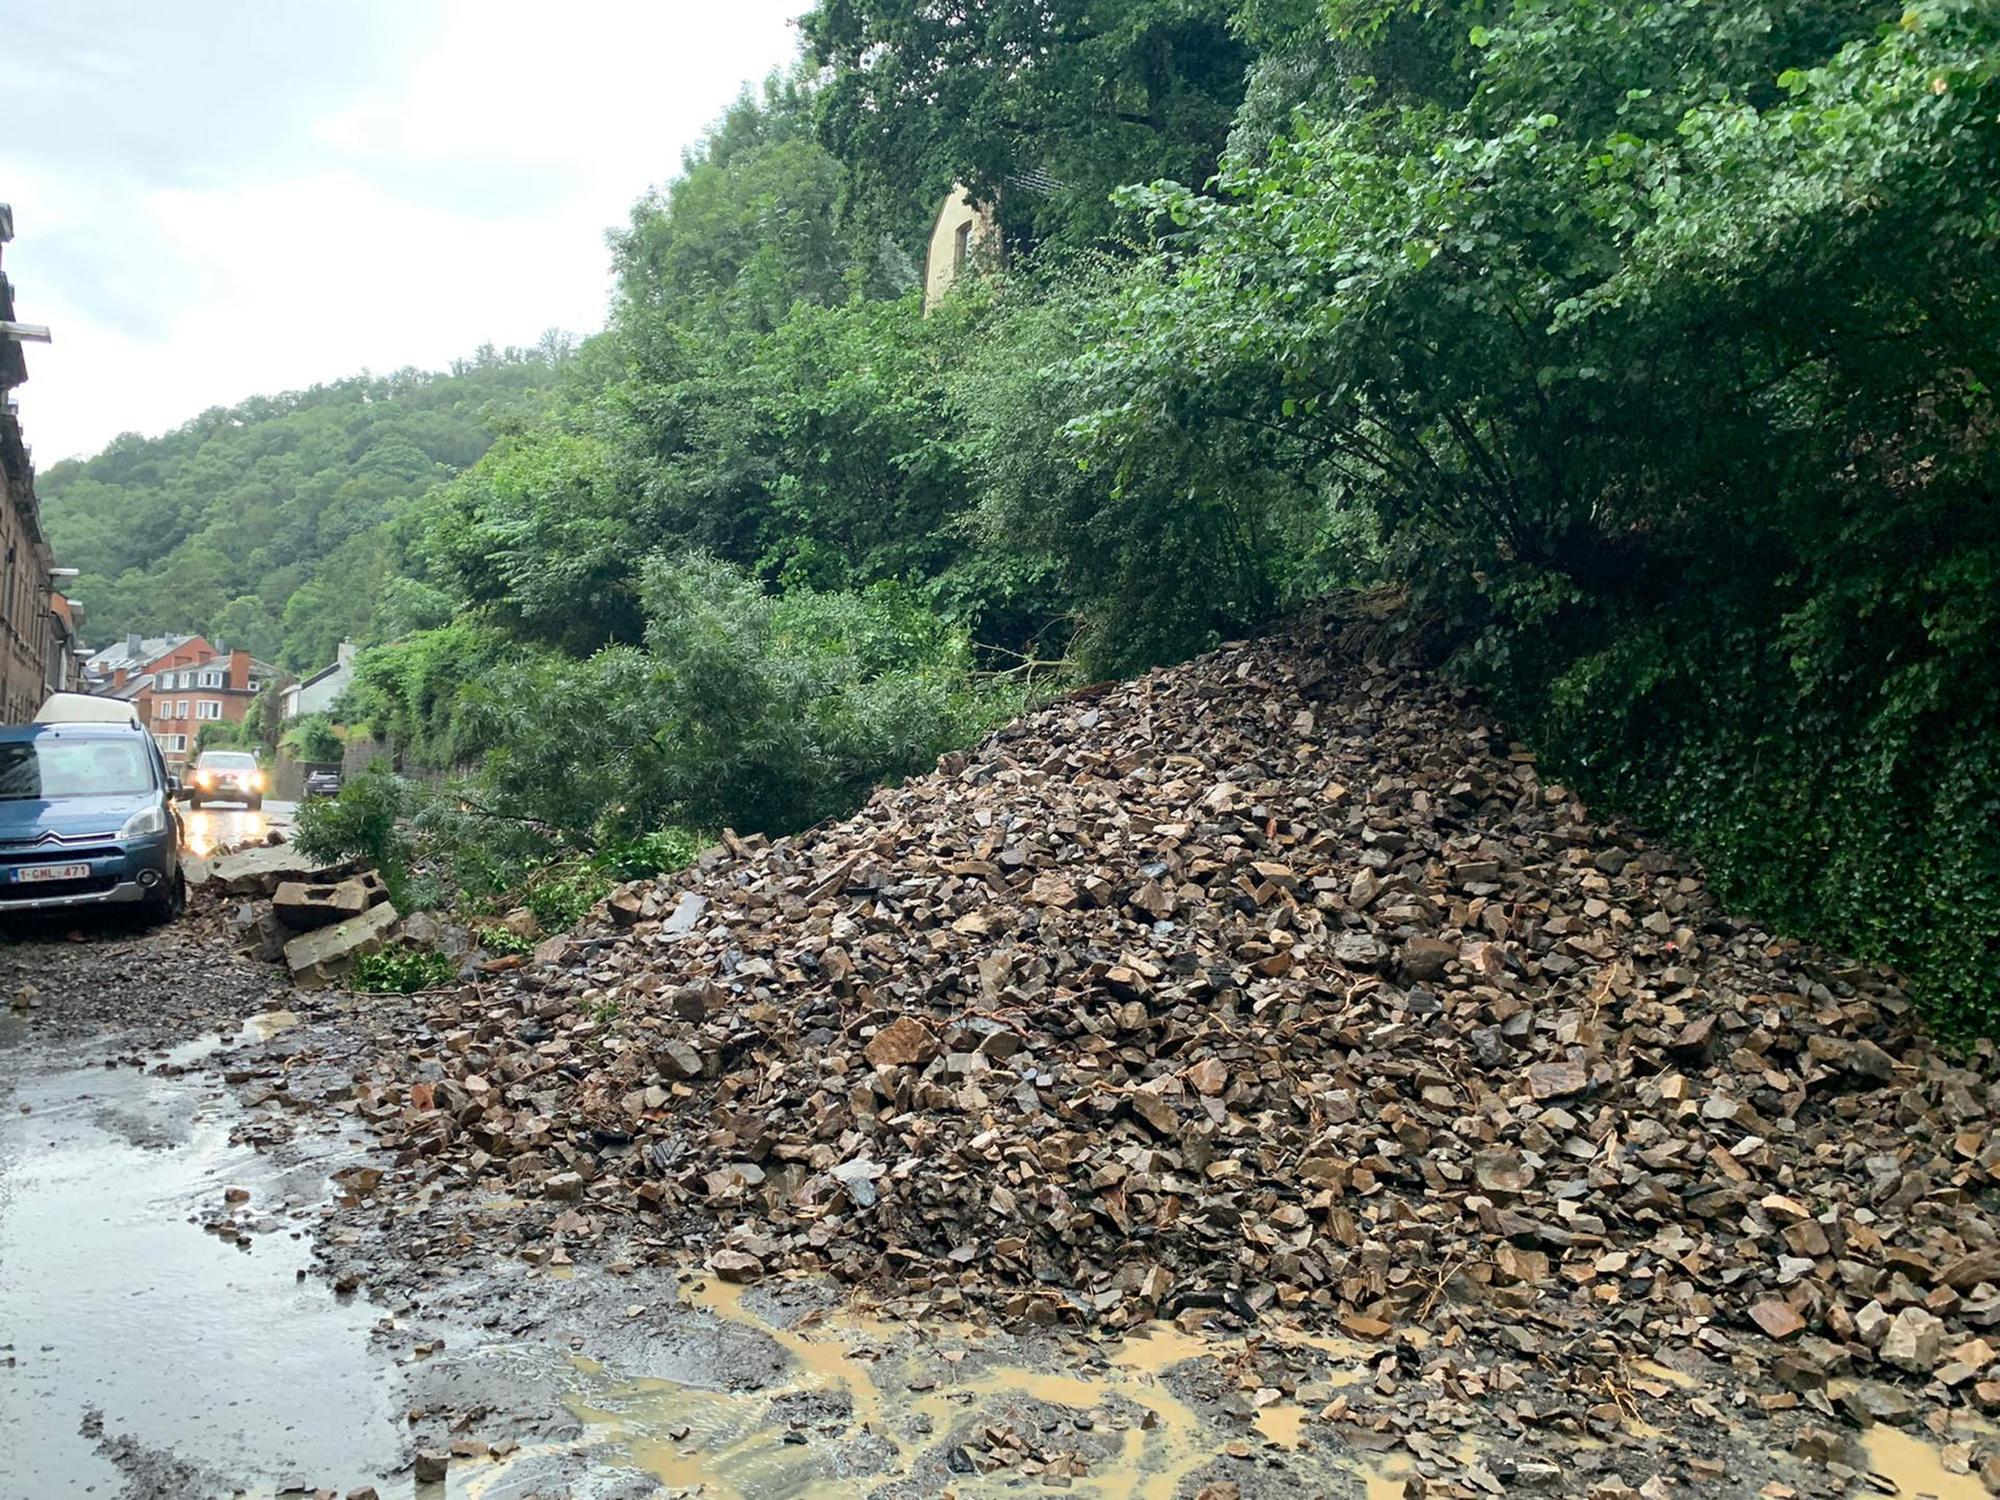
{"x": 1090, "y": 93}
{"x": 313, "y": 738}
{"x": 1658, "y": 342}
{"x": 748, "y": 228}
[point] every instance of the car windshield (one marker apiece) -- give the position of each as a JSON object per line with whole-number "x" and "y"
{"x": 224, "y": 760}
{"x": 45, "y": 769}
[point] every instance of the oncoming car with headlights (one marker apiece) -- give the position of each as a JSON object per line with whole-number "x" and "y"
{"x": 226, "y": 776}
{"x": 87, "y": 819}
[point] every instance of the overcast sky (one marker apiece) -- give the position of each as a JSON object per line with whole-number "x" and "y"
{"x": 215, "y": 200}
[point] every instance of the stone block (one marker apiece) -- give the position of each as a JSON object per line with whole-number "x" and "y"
{"x": 321, "y": 957}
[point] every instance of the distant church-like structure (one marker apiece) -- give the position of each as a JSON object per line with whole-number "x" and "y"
{"x": 962, "y": 232}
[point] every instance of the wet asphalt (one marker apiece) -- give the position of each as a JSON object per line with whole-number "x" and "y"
{"x": 156, "y": 1346}
{"x": 224, "y": 825}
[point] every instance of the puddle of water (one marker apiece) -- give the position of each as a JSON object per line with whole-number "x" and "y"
{"x": 187, "y": 1054}
{"x": 111, "y": 1299}
{"x": 258, "y": 1028}
{"x": 1161, "y": 1346}
{"x": 205, "y": 830}
{"x": 1284, "y": 1425}
{"x": 1388, "y": 1478}
{"x": 1915, "y": 1467}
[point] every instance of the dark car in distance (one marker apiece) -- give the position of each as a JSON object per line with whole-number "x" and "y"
{"x": 323, "y": 784}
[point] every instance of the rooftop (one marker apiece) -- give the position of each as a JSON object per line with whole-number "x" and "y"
{"x": 135, "y": 651}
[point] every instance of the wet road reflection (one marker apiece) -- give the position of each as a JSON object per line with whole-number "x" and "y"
{"x": 207, "y": 829}
{"x": 229, "y": 1357}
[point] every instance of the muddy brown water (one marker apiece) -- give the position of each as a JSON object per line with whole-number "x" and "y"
{"x": 1147, "y": 1440}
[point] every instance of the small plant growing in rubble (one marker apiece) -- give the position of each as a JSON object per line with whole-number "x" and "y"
{"x": 400, "y": 969}
{"x": 501, "y": 940}
{"x": 561, "y": 894}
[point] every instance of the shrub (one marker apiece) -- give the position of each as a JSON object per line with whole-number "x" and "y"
{"x": 745, "y": 708}
{"x": 560, "y": 895}
{"x": 653, "y": 854}
{"x": 312, "y": 737}
{"x": 363, "y": 822}
{"x": 502, "y": 940}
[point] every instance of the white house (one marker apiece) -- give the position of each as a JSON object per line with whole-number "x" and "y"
{"x": 318, "y": 693}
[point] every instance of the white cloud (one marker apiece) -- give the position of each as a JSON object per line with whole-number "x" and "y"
{"x": 459, "y": 195}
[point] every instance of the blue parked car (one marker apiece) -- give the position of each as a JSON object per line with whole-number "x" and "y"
{"x": 87, "y": 818}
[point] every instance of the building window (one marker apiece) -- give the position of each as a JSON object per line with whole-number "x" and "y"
{"x": 211, "y": 679}
{"x": 181, "y": 709}
{"x": 961, "y": 247}
{"x": 208, "y": 708}
{"x": 172, "y": 741}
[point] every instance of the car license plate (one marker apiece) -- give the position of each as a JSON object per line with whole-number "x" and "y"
{"x": 52, "y": 872}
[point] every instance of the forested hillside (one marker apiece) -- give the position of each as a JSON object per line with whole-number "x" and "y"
{"x": 269, "y": 523}
{"x": 1643, "y": 352}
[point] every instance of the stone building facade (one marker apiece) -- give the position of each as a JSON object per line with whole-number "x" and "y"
{"x": 963, "y": 235}
{"x": 28, "y": 635}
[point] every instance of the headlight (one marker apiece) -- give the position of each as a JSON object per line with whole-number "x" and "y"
{"x": 202, "y": 778}
{"x": 146, "y": 820}
{"x": 257, "y": 780}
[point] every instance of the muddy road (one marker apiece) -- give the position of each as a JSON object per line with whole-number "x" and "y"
{"x": 192, "y": 1302}
{"x": 189, "y": 1308}
{"x": 203, "y": 1294}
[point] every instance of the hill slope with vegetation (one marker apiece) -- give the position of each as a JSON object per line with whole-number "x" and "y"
{"x": 269, "y": 524}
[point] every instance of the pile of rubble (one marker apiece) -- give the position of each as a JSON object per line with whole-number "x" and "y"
{"x": 315, "y": 917}
{"x": 1274, "y": 981}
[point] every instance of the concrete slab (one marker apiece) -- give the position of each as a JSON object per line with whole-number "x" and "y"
{"x": 306, "y": 906}
{"x": 260, "y": 871}
{"x": 321, "y": 957}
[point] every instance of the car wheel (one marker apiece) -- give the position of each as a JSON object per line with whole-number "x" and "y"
{"x": 164, "y": 908}
{"x": 194, "y": 799}
{"x": 256, "y": 804}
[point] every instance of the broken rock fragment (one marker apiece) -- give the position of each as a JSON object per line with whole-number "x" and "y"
{"x": 904, "y": 1043}
{"x": 1914, "y": 1341}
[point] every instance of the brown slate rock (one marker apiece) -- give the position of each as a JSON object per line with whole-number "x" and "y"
{"x": 1780, "y": 1320}
{"x": 904, "y": 1043}
{"x": 1558, "y": 1080}
{"x": 735, "y": 1265}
